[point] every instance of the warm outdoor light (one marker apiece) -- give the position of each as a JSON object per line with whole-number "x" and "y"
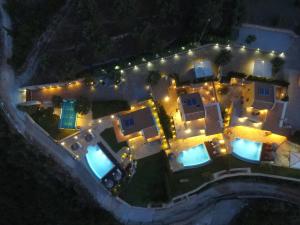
{"x": 257, "y": 50}
{"x": 99, "y": 121}
{"x": 162, "y": 60}
{"x": 176, "y": 56}
{"x": 76, "y": 137}
{"x": 221, "y": 141}
{"x": 167, "y": 98}
{"x": 90, "y": 130}
{"x": 132, "y": 107}
{"x": 188, "y": 131}
{"x": 190, "y": 52}
{"x": 112, "y": 116}
{"x": 147, "y": 87}
{"x": 63, "y": 143}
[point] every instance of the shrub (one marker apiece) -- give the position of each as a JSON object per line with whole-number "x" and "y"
{"x": 153, "y": 77}
{"x": 223, "y": 58}
{"x": 277, "y": 64}
{"x": 57, "y": 100}
{"x": 82, "y": 105}
{"x": 250, "y": 39}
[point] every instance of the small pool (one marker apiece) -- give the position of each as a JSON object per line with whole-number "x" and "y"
{"x": 68, "y": 115}
{"x": 245, "y": 149}
{"x": 194, "y": 156}
{"x": 99, "y": 163}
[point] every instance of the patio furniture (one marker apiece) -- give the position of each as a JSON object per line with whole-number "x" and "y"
{"x": 75, "y": 146}
{"x": 108, "y": 183}
{"x": 88, "y": 137}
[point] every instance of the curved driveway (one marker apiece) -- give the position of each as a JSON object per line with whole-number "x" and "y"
{"x": 127, "y": 214}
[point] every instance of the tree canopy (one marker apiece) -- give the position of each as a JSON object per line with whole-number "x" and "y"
{"x": 223, "y": 58}
{"x": 82, "y": 105}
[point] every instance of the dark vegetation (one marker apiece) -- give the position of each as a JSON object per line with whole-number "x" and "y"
{"x": 150, "y": 182}
{"x": 250, "y": 39}
{"x": 295, "y": 137}
{"x": 165, "y": 121}
{"x": 49, "y": 121}
{"x": 82, "y": 105}
{"x": 30, "y": 19}
{"x": 223, "y": 58}
{"x": 154, "y": 171}
{"x": 277, "y": 64}
{"x": 233, "y": 74}
{"x": 36, "y": 190}
{"x": 153, "y": 77}
{"x": 110, "y": 137}
{"x": 269, "y": 212}
{"x": 105, "y": 108}
{"x": 107, "y": 31}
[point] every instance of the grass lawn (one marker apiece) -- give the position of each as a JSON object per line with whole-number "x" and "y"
{"x": 153, "y": 181}
{"x": 104, "y": 108}
{"x": 198, "y": 176}
{"x": 62, "y": 133}
{"x": 110, "y": 137}
{"x": 149, "y": 184}
{"x": 48, "y": 121}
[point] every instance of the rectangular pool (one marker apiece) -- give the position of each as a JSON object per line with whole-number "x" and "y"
{"x": 68, "y": 115}
{"x": 98, "y": 161}
{"x": 194, "y": 156}
{"x": 247, "y": 150}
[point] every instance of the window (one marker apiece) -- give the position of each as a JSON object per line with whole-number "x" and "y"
{"x": 263, "y": 91}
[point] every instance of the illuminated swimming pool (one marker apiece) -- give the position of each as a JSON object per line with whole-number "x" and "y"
{"x": 194, "y": 156}
{"x": 245, "y": 149}
{"x": 99, "y": 163}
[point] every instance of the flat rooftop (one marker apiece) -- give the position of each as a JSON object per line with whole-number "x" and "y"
{"x": 192, "y": 106}
{"x": 136, "y": 121}
{"x": 264, "y": 95}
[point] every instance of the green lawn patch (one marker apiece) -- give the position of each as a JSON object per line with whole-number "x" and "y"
{"x": 105, "y": 108}
{"x": 149, "y": 183}
{"x": 199, "y": 176}
{"x": 110, "y": 137}
{"x": 48, "y": 121}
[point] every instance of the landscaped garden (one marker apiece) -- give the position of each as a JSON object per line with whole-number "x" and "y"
{"x": 105, "y": 108}
{"x": 150, "y": 182}
{"x": 110, "y": 137}
{"x": 155, "y": 183}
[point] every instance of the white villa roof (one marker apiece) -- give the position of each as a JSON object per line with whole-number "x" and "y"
{"x": 203, "y": 69}
{"x": 295, "y": 160}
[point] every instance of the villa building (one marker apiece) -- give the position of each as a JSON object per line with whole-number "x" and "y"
{"x": 136, "y": 123}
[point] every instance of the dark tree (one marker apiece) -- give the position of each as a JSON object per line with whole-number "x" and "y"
{"x": 250, "y": 39}
{"x": 153, "y": 77}
{"x": 82, "y": 105}
{"x": 223, "y": 58}
{"x": 57, "y": 100}
{"x": 277, "y": 64}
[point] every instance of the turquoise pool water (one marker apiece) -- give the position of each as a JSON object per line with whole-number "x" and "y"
{"x": 99, "y": 163}
{"x": 194, "y": 156}
{"x": 246, "y": 149}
